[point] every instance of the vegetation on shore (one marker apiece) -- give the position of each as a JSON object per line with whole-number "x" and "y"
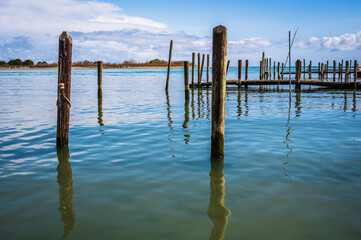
{"x": 18, "y": 63}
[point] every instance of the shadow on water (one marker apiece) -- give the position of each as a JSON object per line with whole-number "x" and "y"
{"x": 65, "y": 181}
{"x": 218, "y": 213}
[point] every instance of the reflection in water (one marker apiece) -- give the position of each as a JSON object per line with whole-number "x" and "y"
{"x": 287, "y": 139}
{"x": 199, "y": 102}
{"x": 298, "y": 103}
{"x": 239, "y": 106}
{"x": 187, "y": 136}
{"x": 66, "y": 192}
{"x": 100, "y": 110}
{"x": 170, "y": 121}
{"x": 218, "y": 213}
{"x": 193, "y": 108}
{"x": 208, "y": 105}
{"x": 246, "y": 102}
{"x": 354, "y": 102}
{"x": 345, "y": 101}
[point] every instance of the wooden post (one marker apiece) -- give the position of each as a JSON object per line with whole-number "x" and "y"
{"x": 274, "y": 70}
{"x": 239, "y": 72}
{"x": 64, "y": 84}
{"x": 260, "y": 70}
{"x": 193, "y": 64}
{"x": 346, "y": 72}
{"x": 219, "y": 73}
{"x": 319, "y": 70}
{"x": 283, "y": 67}
{"x": 278, "y": 70}
{"x": 228, "y": 66}
{"x": 199, "y": 69}
{"x": 202, "y": 66}
{"x": 327, "y": 69}
{"x": 169, "y": 64}
{"x": 334, "y": 71}
{"x": 322, "y": 69}
{"x": 100, "y": 79}
{"x": 341, "y": 70}
{"x": 246, "y": 73}
{"x": 186, "y": 75}
{"x": 355, "y": 71}
{"x": 207, "y": 68}
{"x": 310, "y": 70}
{"x": 298, "y": 74}
{"x": 262, "y": 65}
{"x": 304, "y": 68}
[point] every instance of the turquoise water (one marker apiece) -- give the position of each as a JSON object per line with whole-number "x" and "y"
{"x": 139, "y": 165}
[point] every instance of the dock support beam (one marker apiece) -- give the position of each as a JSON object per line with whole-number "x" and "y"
{"x": 219, "y": 73}
{"x": 239, "y": 73}
{"x": 169, "y": 64}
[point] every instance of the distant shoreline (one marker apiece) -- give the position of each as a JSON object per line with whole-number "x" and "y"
{"x": 92, "y": 67}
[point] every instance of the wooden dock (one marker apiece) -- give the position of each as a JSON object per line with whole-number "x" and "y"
{"x": 306, "y": 82}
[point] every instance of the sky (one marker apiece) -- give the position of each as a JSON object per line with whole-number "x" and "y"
{"x": 114, "y": 31}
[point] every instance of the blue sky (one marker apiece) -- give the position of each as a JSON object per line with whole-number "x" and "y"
{"x": 114, "y": 31}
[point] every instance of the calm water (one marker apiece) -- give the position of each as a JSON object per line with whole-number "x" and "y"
{"x": 139, "y": 165}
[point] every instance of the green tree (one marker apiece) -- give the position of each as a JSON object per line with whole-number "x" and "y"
{"x": 16, "y": 62}
{"x": 28, "y": 62}
{"x": 2, "y": 63}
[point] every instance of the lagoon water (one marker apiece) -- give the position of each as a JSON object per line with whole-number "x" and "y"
{"x": 138, "y": 164}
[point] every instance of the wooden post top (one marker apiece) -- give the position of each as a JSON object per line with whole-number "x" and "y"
{"x": 65, "y": 35}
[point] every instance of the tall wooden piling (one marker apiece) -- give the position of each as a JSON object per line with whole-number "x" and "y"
{"x": 327, "y": 69}
{"x": 193, "y": 65}
{"x": 274, "y": 70}
{"x": 239, "y": 72}
{"x": 355, "y": 72}
{"x": 219, "y": 73}
{"x": 298, "y": 74}
{"x": 283, "y": 67}
{"x": 186, "y": 75}
{"x": 64, "y": 84}
{"x": 199, "y": 69}
{"x": 262, "y": 66}
{"x": 334, "y": 71}
{"x": 341, "y": 70}
{"x": 304, "y": 68}
{"x": 246, "y": 73}
{"x": 202, "y": 66}
{"x": 207, "y": 68}
{"x": 322, "y": 71}
{"x": 346, "y": 72}
{"x": 278, "y": 70}
{"x": 169, "y": 64}
{"x": 100, "y": 79}
{"x": 310, "y": 70}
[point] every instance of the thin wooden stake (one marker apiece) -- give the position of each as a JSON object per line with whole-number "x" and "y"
{"x": 219, "y": 73}
{"x": 169, "y": 64}
{"x": 246, "y": 73}
{"x": 193, "y": 65}
{"x": 346, "y": 72}
{"x": 334, "y": 71}
{"x": 100, "y": 79}
{"x": 64, "y": 85}
{"x": 186, "y": 76}
{"x": 207, "y": 68}
{"x": 355, "y": 71}
{"x": 310, "y": 70}
{"x": 199, "y": 70}
{"x": 239, "y": 72}
{"x": 228, "y": 66}
{"x": 202, "y": 66}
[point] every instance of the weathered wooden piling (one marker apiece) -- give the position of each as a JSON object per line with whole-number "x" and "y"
{"x": 355, "y": 72}
{"x": 304, "y": 68}
{"x": 278, "y": 70}
{"x": 298, "y": 74}
{"x": 274, "y": 70}
{"x": 186, "y": 75}
{"x": 341, "y": 70}
{"x": 169, "y": 64}
{"x": 64, "y": 84}
{"x": 207, "y": 68}
{"x": 346, "y": 72}
{"x": 193, "y": 65}
{"x": 327, "y": 69}
{"x": 310, "y": 70}
{"x": 219, "y": 73}
{"x": 262, "y": 66}
{"x": 100, "y": 78}
{"x": 239, "y": 72}
{"x": 283, "y": 67}
{"x": 199, "y": 70}
{"x": 246, "y": 72}
{"x": 202, "y": 66}
{"x": 322, "y": 71}
{"x": 334, "y": 71}
{"x": 228, "y": 66}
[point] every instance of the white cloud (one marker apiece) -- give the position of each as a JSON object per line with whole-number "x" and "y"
{"x": 344, "y": 42}
{"x": 100, "y": 31}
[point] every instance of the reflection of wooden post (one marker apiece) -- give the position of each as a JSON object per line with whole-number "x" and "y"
{"x": 186, "y": 75}
{"x": 169, "y": 64}
{"x": 64, "y": 83}
{"x": 193, "y": 65}
{"x": 239, "y": 72}
{"x": 207, "y": 68}
{"x": 65, "y": 181}
{"x": 218, "y": 213}
{"x": 219, "y": 73}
